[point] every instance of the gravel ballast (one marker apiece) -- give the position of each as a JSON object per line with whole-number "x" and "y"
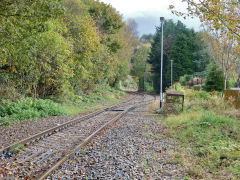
{"x": 127, "y": 150}
{"x": 25, "y": 129}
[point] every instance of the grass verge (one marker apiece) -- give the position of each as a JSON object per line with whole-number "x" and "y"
{"x": 207, "y": 137}
{"x": 210, "y": 142}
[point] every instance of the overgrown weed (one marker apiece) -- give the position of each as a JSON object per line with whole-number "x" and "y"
{"x": 12, "y": 112}
{"x": 92, "y": 101}
{"x": 28, "y": 108}
{"x": 209, "y": 136}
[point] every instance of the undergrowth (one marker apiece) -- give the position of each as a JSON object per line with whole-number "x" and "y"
{"x": 207, "y": 136}
{"x": 28, "y": 108}
{"x": 12, "y": 112}
{"x": 101, "y": 96}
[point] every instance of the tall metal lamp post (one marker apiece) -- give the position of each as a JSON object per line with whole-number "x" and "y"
{"x": 161, "y": 94}
{"x": 172, "y": 74}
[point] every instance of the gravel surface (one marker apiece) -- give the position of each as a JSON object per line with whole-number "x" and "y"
{"x": 39, "y": 156}
{"x": 24, "y": 129}
{"x": 127, "y": 150}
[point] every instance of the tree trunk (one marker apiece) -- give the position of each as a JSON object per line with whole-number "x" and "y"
{"x": 225, "y": 81}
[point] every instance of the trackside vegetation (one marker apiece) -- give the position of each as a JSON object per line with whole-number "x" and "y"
{"x": 61, "y": 48}
{"x": 207, "y": 135}
{"x": 28, "y": 108}
{"x": 32, "y": 108}
{"x": 58, "y": 56}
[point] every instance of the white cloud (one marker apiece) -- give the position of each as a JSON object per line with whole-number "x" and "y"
{"x": 141, "y": 10}
{"x": 131, "y": 6}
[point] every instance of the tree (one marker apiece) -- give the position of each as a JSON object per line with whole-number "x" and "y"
{"x": 201, "y": 56}
{"x": 132, "y": 25}
{"x": 146, "y": 38}
{"x": 20, "y": 19}
{"x": 139, "y": 64}
{"x": 214, "y": 78}
{"x": 221, "y": 16}
{"x": 106, "y": 17}
{"x": 28, "y": 50}
{"x": 59, "y": 48}
{"x": 155, "y": 54}
{"x": 182, "y": 54}
{"x": 182, "y": 45}
{"x": 223, "y": 54}
{"x": 129, "y": 42}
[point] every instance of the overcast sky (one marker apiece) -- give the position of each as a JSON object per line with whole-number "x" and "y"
{"x": 147, "y": 13}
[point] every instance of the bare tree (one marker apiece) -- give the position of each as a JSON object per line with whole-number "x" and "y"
{"x": 132, "y": 25}
{"x": 222, "y": 50}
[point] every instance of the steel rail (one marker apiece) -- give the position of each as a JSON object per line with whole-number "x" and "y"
{"x": 58, "y": 128}
{"x": 87, "y": 140}
{"x": 56, "y": 164}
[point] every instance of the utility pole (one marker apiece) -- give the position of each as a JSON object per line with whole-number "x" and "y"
{"x": 161, "y": 94}
{"x": 144, "y": 78}
{"x": 172, "y": 74}
{"x": 144, "y": 81}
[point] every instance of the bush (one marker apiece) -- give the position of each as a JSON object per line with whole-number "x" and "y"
{"x": 28, "y": 108}
{"x": 184, "y": 79}
{"x": 176, "y": 88}
{"x": 149, "y": 87}
{"x": 197, "y": 95}
{"x": 130, "y": 83}
{"x": 197, "y": 87}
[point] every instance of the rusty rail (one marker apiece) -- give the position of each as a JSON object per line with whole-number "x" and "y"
{"x": 87, "y": 140}
{"x": 53, "y": 130}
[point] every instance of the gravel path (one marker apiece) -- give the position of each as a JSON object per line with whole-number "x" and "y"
{"x": 129, "y": 150}
{"x": 24, "y": 129}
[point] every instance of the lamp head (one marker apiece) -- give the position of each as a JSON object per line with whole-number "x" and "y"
{"x": 161, "y": 19}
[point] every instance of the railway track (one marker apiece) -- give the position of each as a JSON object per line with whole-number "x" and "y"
{"x": 55, "y": 129}
{"x": 46, "y": 151}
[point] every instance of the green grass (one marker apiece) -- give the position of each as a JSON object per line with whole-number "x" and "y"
{"x": 90, "y": 105}
{"x": 100, "y": 97}
{"x": 29, "y": 108}
{"x": 211, "y": 142}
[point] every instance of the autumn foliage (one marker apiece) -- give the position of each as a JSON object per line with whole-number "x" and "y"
{"x": 219, "y": 15}
{"x": 61, "y": 47}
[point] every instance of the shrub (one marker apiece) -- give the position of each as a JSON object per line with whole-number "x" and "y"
{"x": 149, "y": 87}
{"x": 28, "y": 108}
{"x": 197, "y": 87}
{"x": 197, "y": 95}
{"x": 184, "y": 79}
{"x": 176, "y": 88}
